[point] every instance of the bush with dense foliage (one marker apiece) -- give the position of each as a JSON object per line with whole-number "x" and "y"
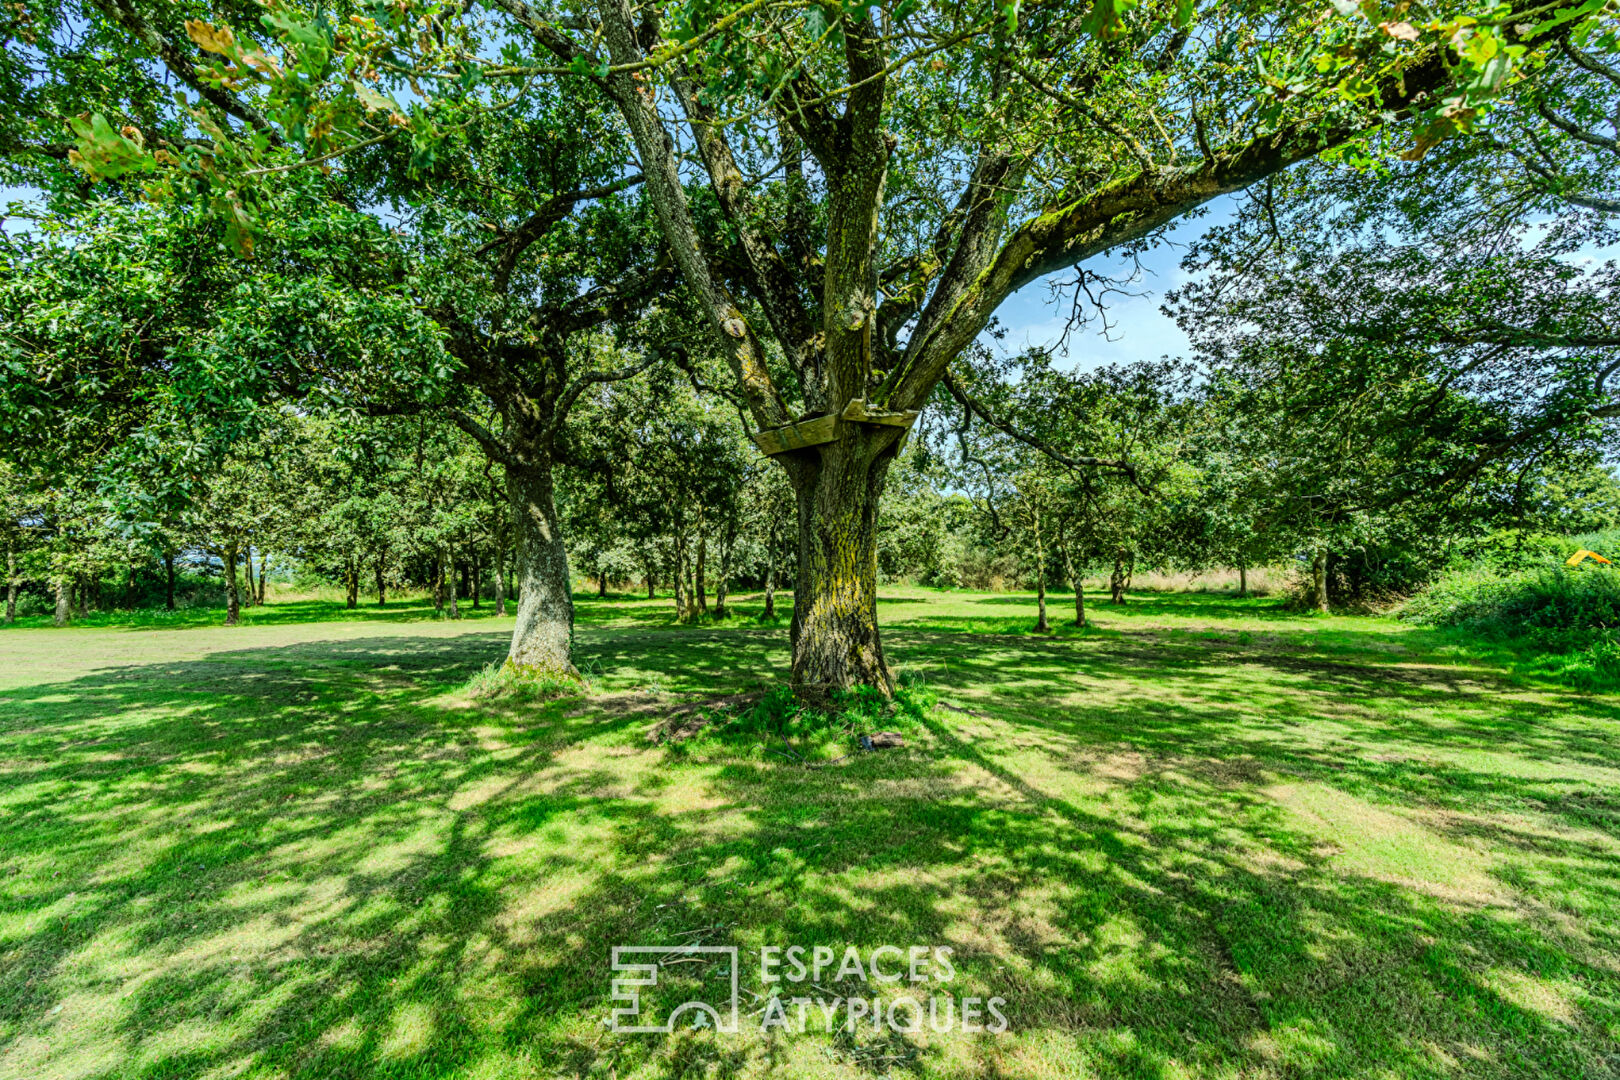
{"x": 1570, "y": 611}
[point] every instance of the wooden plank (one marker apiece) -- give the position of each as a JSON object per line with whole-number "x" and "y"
{"x": 857, "y": 411}
{"x": 800, "y": 436}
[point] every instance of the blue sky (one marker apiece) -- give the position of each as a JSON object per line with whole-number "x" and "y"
{"x": 1138, "y": 329}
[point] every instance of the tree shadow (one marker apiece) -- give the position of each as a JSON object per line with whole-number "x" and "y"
{"x": 321, "y": 860}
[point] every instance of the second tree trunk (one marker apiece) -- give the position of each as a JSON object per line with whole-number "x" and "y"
{"x": 544, "y": 634}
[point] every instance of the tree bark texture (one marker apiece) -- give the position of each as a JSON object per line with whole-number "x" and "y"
{"x": 64, "y": 602}
{"x": 835, "y": 637}
{"x": 543, "y": 638}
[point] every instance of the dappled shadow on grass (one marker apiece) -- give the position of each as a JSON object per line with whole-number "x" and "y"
{"x": 309, "y": 860}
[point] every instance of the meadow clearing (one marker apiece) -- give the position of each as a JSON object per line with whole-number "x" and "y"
{"x": 1203, "y": 838}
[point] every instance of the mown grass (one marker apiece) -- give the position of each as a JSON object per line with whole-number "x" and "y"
{"x": 1203, "y": 838}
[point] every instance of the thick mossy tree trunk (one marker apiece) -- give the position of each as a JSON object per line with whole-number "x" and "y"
{"x": 64, "y": 601}
{"x": 835, "y": 630}
{"x": 542, "y": 640}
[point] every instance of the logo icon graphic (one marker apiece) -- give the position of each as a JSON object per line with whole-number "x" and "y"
{"x": 641, "y": 965}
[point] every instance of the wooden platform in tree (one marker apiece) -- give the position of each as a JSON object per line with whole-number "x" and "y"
{"x": 799, "y": 436}
{"x": 825, "y": 429}
{"x": 857, "y": 411}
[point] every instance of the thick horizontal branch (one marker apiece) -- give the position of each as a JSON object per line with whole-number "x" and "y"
{"x": 1118, "y": 213}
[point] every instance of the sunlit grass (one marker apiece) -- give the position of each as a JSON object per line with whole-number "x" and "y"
{"x": 1202, "y": 838}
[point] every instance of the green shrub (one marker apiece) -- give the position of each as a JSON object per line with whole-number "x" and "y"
{"x": 1545, "y": 602}
{"x": 1571, "y": 613}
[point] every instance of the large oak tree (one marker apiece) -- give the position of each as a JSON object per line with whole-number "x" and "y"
{"x": 850, "y": 192}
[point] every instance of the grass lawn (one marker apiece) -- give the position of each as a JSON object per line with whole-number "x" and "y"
{"x": 1206, "y": 838}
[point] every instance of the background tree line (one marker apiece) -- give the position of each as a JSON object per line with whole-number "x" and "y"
{"x": 581, "y": 250}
